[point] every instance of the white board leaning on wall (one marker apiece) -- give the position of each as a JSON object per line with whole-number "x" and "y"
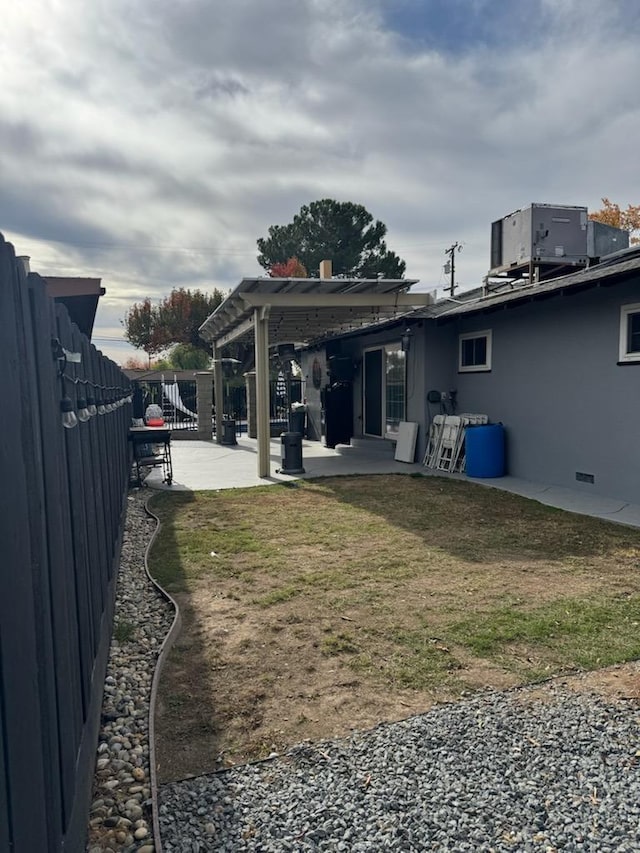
{"x": 406, "y": 443}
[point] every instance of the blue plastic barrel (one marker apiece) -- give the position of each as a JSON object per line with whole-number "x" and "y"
{"x": 485, "y": 451}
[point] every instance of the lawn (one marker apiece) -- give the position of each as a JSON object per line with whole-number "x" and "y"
{"x": 316, "y": 607}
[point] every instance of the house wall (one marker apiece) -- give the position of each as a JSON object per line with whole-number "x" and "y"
{"x": 415, "y": 401}
{"x": 555, "y": 384}
{"x": 430, "y": 364}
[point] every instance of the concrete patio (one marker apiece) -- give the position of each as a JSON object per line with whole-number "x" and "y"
{"x": 204, "y": 465}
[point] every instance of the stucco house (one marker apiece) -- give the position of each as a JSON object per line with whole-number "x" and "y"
{"x": 553, "y": 361}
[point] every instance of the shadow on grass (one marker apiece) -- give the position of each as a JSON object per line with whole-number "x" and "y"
{"x": 479, "y": 524}
{"x": 185, "y": 711}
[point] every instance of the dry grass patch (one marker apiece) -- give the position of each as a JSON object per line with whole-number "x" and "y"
{"x": 329, "y": 605}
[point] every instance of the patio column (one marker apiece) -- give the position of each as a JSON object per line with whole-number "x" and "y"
{"x": 204, "y": 395}
{"x": 261, "y": 324}
{"x": 218, "y": 389}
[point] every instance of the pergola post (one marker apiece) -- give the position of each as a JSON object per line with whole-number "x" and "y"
{"x": 204, "y": 393}
{"x": 261, "y": 328}
{"x": 218, "y": 390}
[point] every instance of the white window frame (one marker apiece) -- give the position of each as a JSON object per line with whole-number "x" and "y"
{"x": 475, "y": 368}
{"x": 623, "y": 354}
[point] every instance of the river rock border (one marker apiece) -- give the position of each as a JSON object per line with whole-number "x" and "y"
{"x": 123, "y": 815}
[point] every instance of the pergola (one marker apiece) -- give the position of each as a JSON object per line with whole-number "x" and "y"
{"x": 272, "y": 311}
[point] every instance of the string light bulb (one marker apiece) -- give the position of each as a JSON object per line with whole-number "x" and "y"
{"x": 91, "y": 406}
{"x": 83, "y": 410}
{"x": 102, "y": 409}
{"x": 69, "y": 419}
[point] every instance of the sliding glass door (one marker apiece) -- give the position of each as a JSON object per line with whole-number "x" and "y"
{"x": 384, "y": 388}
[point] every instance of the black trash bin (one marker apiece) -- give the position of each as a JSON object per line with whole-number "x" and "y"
{"x": 296, "y": 420}
{"x": 228, "y": 432}
{"x": 291, "y": 447}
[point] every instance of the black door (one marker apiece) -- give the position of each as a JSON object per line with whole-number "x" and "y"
{"x": 338, "y": 413}
{"x": 373, "y": 392}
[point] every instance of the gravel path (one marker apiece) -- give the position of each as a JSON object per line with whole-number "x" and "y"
{"x": 120, "y": 818}
{"x": 500, "y": 772}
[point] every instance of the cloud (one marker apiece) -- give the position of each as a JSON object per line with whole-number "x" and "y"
{"x": 152, "y": 143}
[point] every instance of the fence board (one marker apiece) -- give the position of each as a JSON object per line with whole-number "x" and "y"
{"x": 5, "y": 814}
{"x": 96, "y": 468}
{"x": 78, "y": 528}
{"x": 32, "y": 450}
{"x": 22, "y": 714}
{"x": 58, "y": 533}
{"x": 96, "y": 587}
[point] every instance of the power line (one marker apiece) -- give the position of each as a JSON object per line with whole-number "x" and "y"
{"x": 451, "y": 265}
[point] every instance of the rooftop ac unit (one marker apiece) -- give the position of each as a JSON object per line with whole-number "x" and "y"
{"x": 539, "y": 234}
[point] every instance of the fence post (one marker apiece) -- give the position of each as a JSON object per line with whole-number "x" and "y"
{"x": 204, "y": 396}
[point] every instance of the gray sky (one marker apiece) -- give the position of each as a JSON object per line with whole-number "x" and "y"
{"x": 152, "y": 142}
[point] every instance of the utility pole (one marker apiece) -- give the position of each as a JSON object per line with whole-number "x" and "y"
{"x": 450, "y": 266}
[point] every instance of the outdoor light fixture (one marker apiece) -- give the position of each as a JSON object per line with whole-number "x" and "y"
{"x": 83, "y": 411}
{"x": 405, "y": 340}
{"x": 69, "y": 419}
{"x": 92, "y": 398}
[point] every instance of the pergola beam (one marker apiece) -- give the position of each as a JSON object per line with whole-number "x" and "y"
{"x": 337, "y": 300}
{"x": 239, "y": 331}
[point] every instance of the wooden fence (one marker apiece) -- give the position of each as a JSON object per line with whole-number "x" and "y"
{"x": 61, "y": 520}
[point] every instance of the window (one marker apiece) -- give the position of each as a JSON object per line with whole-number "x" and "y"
{"x": 395, "y": 389}
{"x": 384, "y": 390}
{"x": 630, "y": 333}
{"x": 474, "y": 352}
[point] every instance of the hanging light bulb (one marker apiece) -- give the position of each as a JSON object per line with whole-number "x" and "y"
{"x": 102, "y": 409}
{"x": 91, "y": 406}
{"x": 83, "y": 410}
{"x": 108, "y": 406}
{"x": 69, "y": 419}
